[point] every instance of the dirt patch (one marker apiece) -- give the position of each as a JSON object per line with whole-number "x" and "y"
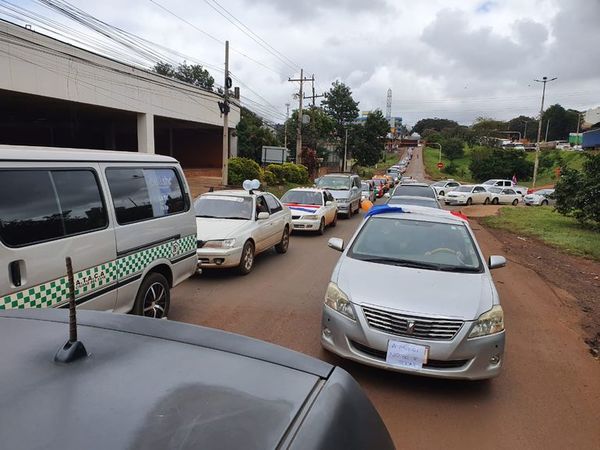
{"x": 481, "y": 210}
{"x": 578, "y": 279}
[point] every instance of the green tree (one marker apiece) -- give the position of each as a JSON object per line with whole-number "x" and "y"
{"x": 489, "y": 163}
{"x": 368, "y": 143}
{"x": 453, "y": 148}
{"x": 578, "y": 192}
{"x": 320, "y": 129}
{"x": 342, "y": 108}
{"x": 562, "y": 122}
{"x": 518, "y": 124}
{"x": 252, "y": 135}
{"x": 193, "y": 74}
{"x": 434, "y": 123}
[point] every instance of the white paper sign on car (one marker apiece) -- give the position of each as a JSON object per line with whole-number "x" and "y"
{"x": 403, "y": 354}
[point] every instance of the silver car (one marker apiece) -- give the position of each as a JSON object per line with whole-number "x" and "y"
{"x": 430, "y": 307}
{"x": 542, "y": 197}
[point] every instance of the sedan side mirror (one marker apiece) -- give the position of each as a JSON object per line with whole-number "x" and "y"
{"x": 387, "y": 195}
{"x": 328, "y": 203}
{"x": 336, "y": 244}
{"x": 263, "y": 215}
{"x": 495, "y": 262}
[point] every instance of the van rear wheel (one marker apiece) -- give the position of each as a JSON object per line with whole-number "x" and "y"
{"x": 154, "y": 297}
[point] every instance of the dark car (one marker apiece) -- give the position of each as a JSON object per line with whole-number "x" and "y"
{"x": 156, "y": 384}
{"x": 414, "y": 190}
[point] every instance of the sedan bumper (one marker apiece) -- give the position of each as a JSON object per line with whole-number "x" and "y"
{"x": 216, "y": 257}
{"x": 459, "y": 358}
{"x": 455, "y": 201}
{"x": 306, "y": 225}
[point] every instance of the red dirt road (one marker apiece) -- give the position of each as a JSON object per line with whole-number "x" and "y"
{"x": 547, "y": 397}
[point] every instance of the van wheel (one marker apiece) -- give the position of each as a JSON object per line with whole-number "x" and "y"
{"x": 282, "y": 247}
{"x": 247, "y": 259}
{"x": 515, "y": 202}
{"x": 154, "y": 297}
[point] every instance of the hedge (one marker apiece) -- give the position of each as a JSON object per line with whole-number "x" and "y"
{"x": 288, "y": 173}
{"x": 241, "y": 169}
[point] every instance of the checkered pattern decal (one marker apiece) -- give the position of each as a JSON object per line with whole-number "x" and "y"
{"x": 57, "y": 291}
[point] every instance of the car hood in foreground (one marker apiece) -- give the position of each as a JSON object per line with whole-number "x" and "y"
{"x": 147, "y": 384}
{"x": 416, "y": 291}
{"x": 209, "y": 229}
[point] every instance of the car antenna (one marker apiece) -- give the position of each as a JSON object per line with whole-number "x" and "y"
{"x": 73, "y": 349}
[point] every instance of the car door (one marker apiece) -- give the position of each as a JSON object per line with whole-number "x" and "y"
{"x": 508, "y": 196}
{"x": 479, "y": 194}
{"x": 50, "y": 213}
{"x": 263, "y": 230}
{"x": 277, "y": 219}
{"x": 331, "y": 208}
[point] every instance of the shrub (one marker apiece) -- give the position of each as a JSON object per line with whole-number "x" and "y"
{"x": 269, "y": 177}
{"x": 288, "y": 172}
{"x": 578, "y": 192}
{"x": 365, "y": 172}
{"x": 489, "y": 163}
{"x": 241, "y": 169}
{"x": 453, "y": 148}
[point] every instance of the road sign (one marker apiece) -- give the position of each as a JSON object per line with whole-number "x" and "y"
{"x": 440, "y": 165}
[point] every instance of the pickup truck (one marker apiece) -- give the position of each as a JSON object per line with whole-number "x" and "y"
{"x": 522, "y": 190}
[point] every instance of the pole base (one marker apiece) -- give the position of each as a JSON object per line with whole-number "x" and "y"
{"x": 70, "y": 352}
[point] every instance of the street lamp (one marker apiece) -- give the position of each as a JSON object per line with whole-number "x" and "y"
{"x": 539, "y": 135}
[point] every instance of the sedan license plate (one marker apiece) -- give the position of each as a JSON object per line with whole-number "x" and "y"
{"x": 405, "y": 355}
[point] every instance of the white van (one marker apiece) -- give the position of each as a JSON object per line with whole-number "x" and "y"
{"x": 125, "y": 219}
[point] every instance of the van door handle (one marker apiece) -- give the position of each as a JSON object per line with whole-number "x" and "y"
{"x": 15, "y": 273}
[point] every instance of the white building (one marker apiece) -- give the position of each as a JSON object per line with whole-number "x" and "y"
{"x": 56, "y": 94}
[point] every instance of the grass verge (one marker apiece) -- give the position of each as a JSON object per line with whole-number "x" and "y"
{"x": 431, "y": 158}
{"x": 550, "y": 227}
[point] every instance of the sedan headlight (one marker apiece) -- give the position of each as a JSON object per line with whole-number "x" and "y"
{"x": 222, "y": 243}
{"x": 336, "y": 299}
{"x": 489, "y": 322}
{"x": 310, "y": 217}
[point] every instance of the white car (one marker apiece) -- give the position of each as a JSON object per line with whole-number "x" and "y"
{"x": 312, "y": 209}
{"x": 442, "y": 187}
{"x": 503, "y": 196}
{"x": 542, "y": 197}
{"x": 235, "y": 226}
{"x": 468, "y": 194}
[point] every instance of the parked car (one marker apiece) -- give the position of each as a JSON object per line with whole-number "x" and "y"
{"x": 235, "y": 226}
{"x": 368, "y": 190}
{"x": 468, "y": 194}
{"x": 312, "y": 209}
{"x": 506, "y": 184}
{"x": 541, "y": 197}
{"x": 415, "y": 190}
{"x": 503, "y": 196}
{"x": 125, "y": 220}
{"x": 445, "y": 322}
{"x": 407, "y": 200}
{"x": 345, "y": 188}
{"x": 380, "y": 187}
{"x": 217, "y": 390}
{"x": 442, "y": 187}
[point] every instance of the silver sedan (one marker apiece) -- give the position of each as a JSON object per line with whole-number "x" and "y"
{"x": 430, "y": 306}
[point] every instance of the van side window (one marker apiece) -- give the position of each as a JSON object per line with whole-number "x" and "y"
{"x": 42, "y": 205}
{"x": 141, "y": 194}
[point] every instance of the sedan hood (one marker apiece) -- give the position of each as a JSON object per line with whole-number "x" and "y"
{"x": 416, "y": 291}
{"x": 209, "y": 229}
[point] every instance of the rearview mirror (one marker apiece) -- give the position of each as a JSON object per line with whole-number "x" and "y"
{"x": 495, "y": 262}
{"x": 263, "y": 215}
{"x": 336, "y": 244}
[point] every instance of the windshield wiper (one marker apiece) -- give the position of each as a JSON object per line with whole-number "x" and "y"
{"x": 403, "y": 263}
{"x": 460, "y": 269}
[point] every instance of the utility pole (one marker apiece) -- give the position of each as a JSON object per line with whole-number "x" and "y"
{"x": 525, "y": 132}
{"x": 287, "y": 116}
{"x": 345, "y": 150}
{"x": 547, "y": 126}
{"x": 225, "y": 111}
{"x": 313, "y": 96}
{"x": 299, "y": 126}
{"x": 539, "y": 134}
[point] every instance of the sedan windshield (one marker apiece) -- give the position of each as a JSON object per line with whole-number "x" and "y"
{"x": 223, "y": 207}
{"x": 417, "y": 244}
{"x": 335, "y": 183}
{"x": 303, "y": 197}
{"x": 463, "y": 189}
{"x": 414, "y": 191}
{"x": 495, "y": 190}
{"x": 440, "y": 184}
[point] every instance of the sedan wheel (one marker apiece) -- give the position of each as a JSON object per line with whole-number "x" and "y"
{"x": 282, "y": 247}
{"x": 544, "y": 202}
{"x": 334, "y": 221}
{"x": 247, "y": 260}
{"x": 469, "y": 201}
{"x": 486, "y": 201}
{"x": 321, "y": 229}
{"x": 441, "y": 194}
{"x": 495, "y": 201}
{"x": 515, "y": 202}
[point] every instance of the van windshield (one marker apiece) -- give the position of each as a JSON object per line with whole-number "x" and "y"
{"x": 223, "y": 207}
{"x": 335, "y": 183}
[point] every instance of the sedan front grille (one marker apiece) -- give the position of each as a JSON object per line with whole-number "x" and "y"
{"x": 295, "y": 217}
{"x": 412, "y": 326}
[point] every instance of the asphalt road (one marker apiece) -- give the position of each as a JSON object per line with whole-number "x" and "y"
{"x": 548, "y": 395}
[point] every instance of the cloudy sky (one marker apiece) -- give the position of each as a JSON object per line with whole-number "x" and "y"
{"x": 458, "y": 59}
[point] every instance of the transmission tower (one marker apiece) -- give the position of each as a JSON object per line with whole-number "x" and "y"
{"x": 388, "y": 107}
